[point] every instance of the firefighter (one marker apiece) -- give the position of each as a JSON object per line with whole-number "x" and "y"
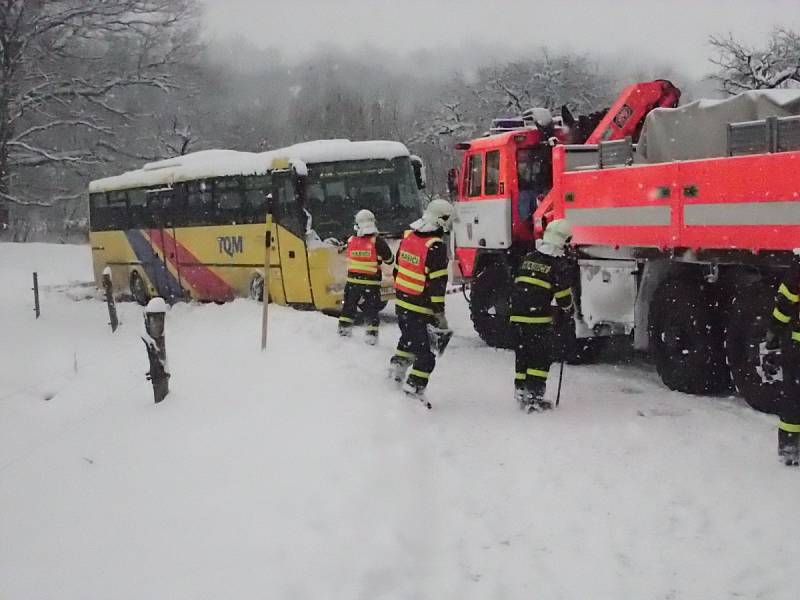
{"x": 544, "y": 275}
{"x": 420, "y": 284}
{"x": 366, "y": 251}
{"x": 783, "y": 353}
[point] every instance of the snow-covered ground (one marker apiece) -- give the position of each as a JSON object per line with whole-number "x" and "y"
{"x": 300, "y": 473}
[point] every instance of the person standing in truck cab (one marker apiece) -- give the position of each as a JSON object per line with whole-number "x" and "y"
{"x": 366, "y": 251}
{"x": 783, "y": 353}
{"x": 420, "y": 284}
{"x": 544, "y": 275}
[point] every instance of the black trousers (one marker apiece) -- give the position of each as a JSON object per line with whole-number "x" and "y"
{"x": 415, "y": 346}
{"x": 368, "y": 297}
{"x": 789, "y": 406}
{"x": 533, "y": 352}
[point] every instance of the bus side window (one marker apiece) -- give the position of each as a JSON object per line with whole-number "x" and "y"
{"x": 117, "y": 210}
{"x": 228, "y": 200}
{"x": 286, "y": 207}
{"x": 475, "y": 174}
{"x": 137, "y": 209}
{"x": 199, "y": 204}
{"x": 255, "y": 197}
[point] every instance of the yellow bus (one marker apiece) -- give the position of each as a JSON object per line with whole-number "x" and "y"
{"x": 194, "y": 226}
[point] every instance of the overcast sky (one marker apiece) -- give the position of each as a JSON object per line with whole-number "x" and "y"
{"x": 671, "y": 31}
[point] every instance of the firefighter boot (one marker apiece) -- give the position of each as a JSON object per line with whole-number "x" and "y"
{"x": 372, "y": 335}
{"x": 520, "y": 395}
{"x": 398, "y": 366}
{"x": 416, "y": 392}
{"x": 789, "y": 447}
{"x": 534, "y": 399}
{"x": 345, "y": 329}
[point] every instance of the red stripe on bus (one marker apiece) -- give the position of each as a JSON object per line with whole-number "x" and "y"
{"x": 205, "y": 284}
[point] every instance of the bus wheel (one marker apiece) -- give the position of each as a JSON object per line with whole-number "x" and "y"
{"x": 490, "y": 303}
{"x": 139, "y": 289}
{"x": 687, "y": 337}
{"x": 257, "y": 288}
{"x": 750, "y": 312}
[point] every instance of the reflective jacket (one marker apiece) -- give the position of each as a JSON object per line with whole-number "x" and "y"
{"x": 421, "y": 273}
{"x": 365, "y": 254}
{"x": 539, "y": 280}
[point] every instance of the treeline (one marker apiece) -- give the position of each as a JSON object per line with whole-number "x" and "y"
{"x": 91, "y": 88}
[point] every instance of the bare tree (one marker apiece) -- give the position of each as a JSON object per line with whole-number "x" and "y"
{"x": 68, "y": 70}
{"x": 742, "y": 68}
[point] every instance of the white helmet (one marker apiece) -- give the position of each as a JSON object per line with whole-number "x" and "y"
{"x": 365, "y": 223}
{"x": 437, "y": 215}
{"x": 558, "y": 233}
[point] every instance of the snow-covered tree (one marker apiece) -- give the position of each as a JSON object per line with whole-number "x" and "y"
{"x": 742, "y": 68}
{"x": 70, "y": 71}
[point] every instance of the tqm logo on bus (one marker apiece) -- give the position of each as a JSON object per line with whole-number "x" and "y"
{"x": 230, "y": 244}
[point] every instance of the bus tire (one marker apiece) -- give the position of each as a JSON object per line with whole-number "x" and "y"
{"x": 139, "y": 289}
{"x": 256, "y": 289}
{"x": 749, "y": 317}
{"x": 490, "y": 303}
{"x": 687, "y": 337}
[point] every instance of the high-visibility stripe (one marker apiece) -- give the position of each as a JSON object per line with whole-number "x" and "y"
{"x": 780, "y": 316}
{"x": 437, "y": 274}
{"x": 793, "y": 298}
{"x": 362, "y": 281}
{"x": 413, "y": 307}
{"x": 411, "y": 274}
{"x": 520, "y": 376}
{"x": 537, "y": 373}
{"x": 563, "y": 293}
{"x": 402, "y": 281}
{"x": 404, "y": 354}
{"x": 790, "y": 427}
{"x": 532, "y": 320}
{"x": 372, "y": 327}
{"x": 420, "y": 374}
{"x": 346, "y": 320}
{"x": 796, "y": 336}
{"x": 432, "y": 241}
{"x": 534, "y": 281}
{"x": 437, "y": 298}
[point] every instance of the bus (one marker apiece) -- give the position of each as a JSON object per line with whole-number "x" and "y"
{"x": 193, "y": 227}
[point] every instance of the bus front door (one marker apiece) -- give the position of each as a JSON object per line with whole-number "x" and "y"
{"x": 292, "y": 249}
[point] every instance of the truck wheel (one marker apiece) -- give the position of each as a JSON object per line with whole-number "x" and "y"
{"x": 749, "y": 316}
{"x": 490, "y": 304}
{"x": 687, "y": 338}
{"x": 139, "y": 289}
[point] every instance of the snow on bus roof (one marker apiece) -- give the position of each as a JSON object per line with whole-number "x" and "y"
{"x": 224, "y": 163}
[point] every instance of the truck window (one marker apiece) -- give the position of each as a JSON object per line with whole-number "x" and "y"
{"x": 492, "y": 181}
{"x": 533, "y": 178}
{"x": 474, "y": 173}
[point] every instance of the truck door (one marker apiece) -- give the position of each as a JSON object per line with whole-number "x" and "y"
{"x": 291, "y": 230}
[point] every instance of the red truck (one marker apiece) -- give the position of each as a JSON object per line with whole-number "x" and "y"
{"x": 680, "y": 242}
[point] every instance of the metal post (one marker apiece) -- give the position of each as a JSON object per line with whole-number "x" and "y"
{"x": 267, "y": 265}
{"x": 154, "y": 341}
{"x": 560, "y": 377}
{"x": 36, "y": 294}
{"x": 108, "y": 288}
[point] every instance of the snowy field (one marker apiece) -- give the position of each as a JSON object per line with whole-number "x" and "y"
{"x": 300, "y": 473}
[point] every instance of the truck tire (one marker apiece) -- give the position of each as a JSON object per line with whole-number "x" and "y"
{"x": 749, "y": 316}
{"x": 490, "y": 303}
{"x": 687, "y": 337}
{"x": 139, "y": 289}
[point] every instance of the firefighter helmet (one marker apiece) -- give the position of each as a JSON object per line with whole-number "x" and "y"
{"x": 558, "y": 233}
{"x": 365, "y": 223}
{"x": 437, "y": 215}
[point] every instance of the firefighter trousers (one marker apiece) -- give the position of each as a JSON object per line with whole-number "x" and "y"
{"x": 789, "y": 405}
{"x": 366, "y": 297}
{"x": 533, "y": 352}
{"x": 414, "y": 347}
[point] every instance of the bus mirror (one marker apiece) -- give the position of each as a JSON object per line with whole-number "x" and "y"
{"x": 419, "y": 172}
{"x": 452, "y": 182}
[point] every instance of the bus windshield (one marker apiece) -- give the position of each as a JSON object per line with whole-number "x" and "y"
{"x": 336, "y": 191}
